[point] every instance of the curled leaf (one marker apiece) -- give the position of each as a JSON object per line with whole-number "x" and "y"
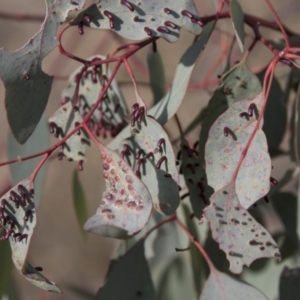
{"x": 139, "y": 19}
{"x": 237, "y": 232}
{"x": 63, "y": 121}
{"x": 18, "y": 217}
{"x": 127, "y": 203}
{"x": 236, "y": 143}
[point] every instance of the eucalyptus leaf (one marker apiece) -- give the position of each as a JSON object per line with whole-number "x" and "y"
{"x": 238, "y": 234}
{"x": 157, "y": 75}
{"x": 221, "y": 286}
{"x": 18, "y": 216}
{"x": 237, "y": 18}
{"x": 139, "y": 19}
{"x": 27, "y": 86}
{"x": 129, "y": 278}
{"x": 38, "y": 141}
{"x": 79, "y": 201}
{"x": 149, "y": 146}
{"x": 237, "y": 150}
{"x": 127, "y": 203}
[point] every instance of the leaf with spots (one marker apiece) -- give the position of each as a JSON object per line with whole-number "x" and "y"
{"x": 127, "y": 204}
{"x": 63, "y": 121}
{"x": 112, "y": 113}
{"x": 18, "y": 217}
{"x": 195, "y": 178}
{"x": 238, "y": 234}
{"x": 237, "y": 84}
{"x": 150, "y": 154}
{"x": 221, "y": 286}
{"x": 139, "y": 19}
{"x": 27, "y": 86}
{"x": 170, "y": 103}
{"x": 236, "y": 150}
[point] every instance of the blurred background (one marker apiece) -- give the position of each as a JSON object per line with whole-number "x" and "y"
{"x": 57, "y": 244}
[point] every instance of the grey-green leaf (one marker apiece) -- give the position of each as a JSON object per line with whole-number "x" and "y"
{"x": 63, "y": 121}
{"x": 17, "y": 206}
{"x": 38, "y": 141}
{"x": 127, "y": 203}
{"x": 27, "y": 86}
{"x": 221, "y": 286}
{"x": 157, "y": 75}
{"x": 161, "y": 179}
{"x": 129, "y": 278}
{"x": 237, "y": 232}
{"x": 79, "y": 201}
{"x": 237, "y": 18}
{"x": 289, "y": 284}
{"x": 141, "y": 18}
{"x": 169, "y": 104}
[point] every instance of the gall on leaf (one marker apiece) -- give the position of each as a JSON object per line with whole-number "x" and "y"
{"x": 137, "y": 20}
{"x": 126, "y": 202}
{"x": 18, "y": 217}
{"x": 246, "y": 141}
{"x": 222, "y": 286}
{"x": 237, "y": 232}
{"x": 111, "y": 116}
{"x": 27, "y": 86}
{"x": 63, "y": 121}
{"x": 152, "y": 157}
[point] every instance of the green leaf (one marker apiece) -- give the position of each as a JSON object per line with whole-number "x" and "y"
{"x": 221, "y": 286}
{"x": 237, "y": 18}
{"x": 238, "y": 234}
{"x": 17, "y": 206}
{"x": 142, "y": 19}
{"x": 127, "y": 203}
{"x": 169, "y": 104}
{"x": 6, "y": 267}
{"x": 79, "y": 202}
{"x": 38, "y": 141}
{"x": 289, "y": 284}
{"x": 112, "y": 113}
{"x": 176, "y": 282}
{"x": 237, "y": 84}
{"x": 129, "y": 278}
{"x": 195, "y": 179}
{"x": 27, "y": 86}
{"x": 286, "y": 206}
{"x": 157, "y": 75}
{"x": 63, "y": 121}
{"x": 162, "y": 182}
{"x": 275, "y": 110}
{"x": 224, "y": 152}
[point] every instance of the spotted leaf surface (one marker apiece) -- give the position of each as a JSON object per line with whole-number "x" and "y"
{"x": 151, "y": 155}
{"x": 18, "y": 217}
{"x": 238, "y": 234}
{"x": 112, "y": 114}
{"x": 127, "y": 203}
{"x": 169, "y": 104}
{"x": 195, "y": 178}
{"x": 221, "y": 286}
{"x": 139, "y": 19}
{"x": 27, "y": 86}
{"x": 64, "y": 120}
{"x": 236, "y": 142}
